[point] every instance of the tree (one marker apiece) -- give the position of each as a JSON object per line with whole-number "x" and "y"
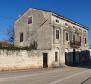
{"x": 11, "y": 35}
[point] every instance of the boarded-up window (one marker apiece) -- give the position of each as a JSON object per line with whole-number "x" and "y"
{"x": 21, "y": 37}
{"x": 85, "y": 41}
{"x": 67, "y": 36}
{"x": 29, "y": 20}
{"x": 57, "y": 34}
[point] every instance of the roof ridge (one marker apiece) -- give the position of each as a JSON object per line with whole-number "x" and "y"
{"x": 66, "y": 18}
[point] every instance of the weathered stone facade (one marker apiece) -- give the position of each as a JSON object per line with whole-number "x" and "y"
{"x": 68, "y": 40}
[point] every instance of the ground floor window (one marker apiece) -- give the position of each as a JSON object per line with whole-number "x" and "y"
{"x": 56, "y": 56}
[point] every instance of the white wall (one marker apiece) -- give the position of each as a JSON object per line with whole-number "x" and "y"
{"x": 23, "y": 59}
{"x": 20, "y": 59}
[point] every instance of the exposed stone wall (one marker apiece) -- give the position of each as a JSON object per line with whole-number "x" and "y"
{"x": 39, "y": 30}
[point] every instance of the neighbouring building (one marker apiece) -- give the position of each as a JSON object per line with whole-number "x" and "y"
{"x": 4, "y": 44}
{"x": 61, "y": 40}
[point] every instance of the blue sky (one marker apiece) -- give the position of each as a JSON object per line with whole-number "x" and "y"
{"x": 77, "y": 10}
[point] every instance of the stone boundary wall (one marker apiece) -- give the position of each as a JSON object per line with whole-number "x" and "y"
{"x": 23, "y": 59}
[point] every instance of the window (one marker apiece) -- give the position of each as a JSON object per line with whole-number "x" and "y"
{"x": 66, "y": 24}
{"x": 29, "y": 20}
{"x": 21, "y": 37}
{"x": 56, "y": 56}
{"x": 80, "y": 39}
{"x": 57, "y": 34}
{"x": 79, "y": 29}
{"x": 74, "y": 27}
{"x": 57, "y": 21}
{"x": 67, "y": 36}
{"x": 73, "y": 38}
{"x": 84, "y": 31}
{"x": 85, "y": 40}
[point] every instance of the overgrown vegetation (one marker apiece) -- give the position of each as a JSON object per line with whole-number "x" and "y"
{"x": 32, "y": 46}
{"x": 10, "y": 33}
{"x": 10, "y": 42}
{"x": 16, "y": 48}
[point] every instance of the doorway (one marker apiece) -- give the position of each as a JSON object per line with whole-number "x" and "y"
{"x": 45, "y": 60}
{"x": 66, "y": 57}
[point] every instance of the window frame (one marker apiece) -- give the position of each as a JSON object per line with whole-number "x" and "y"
{"x": 21, "y": 37}
{"x": 57, "y": 21}
{"x": 67, "y": 36}
{"x": 80, "y": 39}
{"x": 57, "y": 34}
{"x": 30, "y": 22}
{"x": 85, "y": 40}
{"x": 74, "y": 37}
{"x": 66, "y": 24}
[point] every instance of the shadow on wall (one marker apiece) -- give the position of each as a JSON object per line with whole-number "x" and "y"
{"x": 77, "y": 58}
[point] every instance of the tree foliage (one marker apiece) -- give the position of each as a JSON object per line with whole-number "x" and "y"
{"x": 11, "y": 35}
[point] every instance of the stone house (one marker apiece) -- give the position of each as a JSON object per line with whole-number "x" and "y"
{"x": 59, "y": 39}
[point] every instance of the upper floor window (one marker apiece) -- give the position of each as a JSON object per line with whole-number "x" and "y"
{"x": 29, "y": 20}
{"x": 80, "y": 39}
{"x": 21, "y": 37}
{"x": 85, "y": 41}
{"x": 66, "y": 24}
{"x": 74, "y": 27}
{"x": 57, "y": 34}
{"x": 74, "y": 38}
{"x": 57, "y": 21}
{"x": 67, "y": 36}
